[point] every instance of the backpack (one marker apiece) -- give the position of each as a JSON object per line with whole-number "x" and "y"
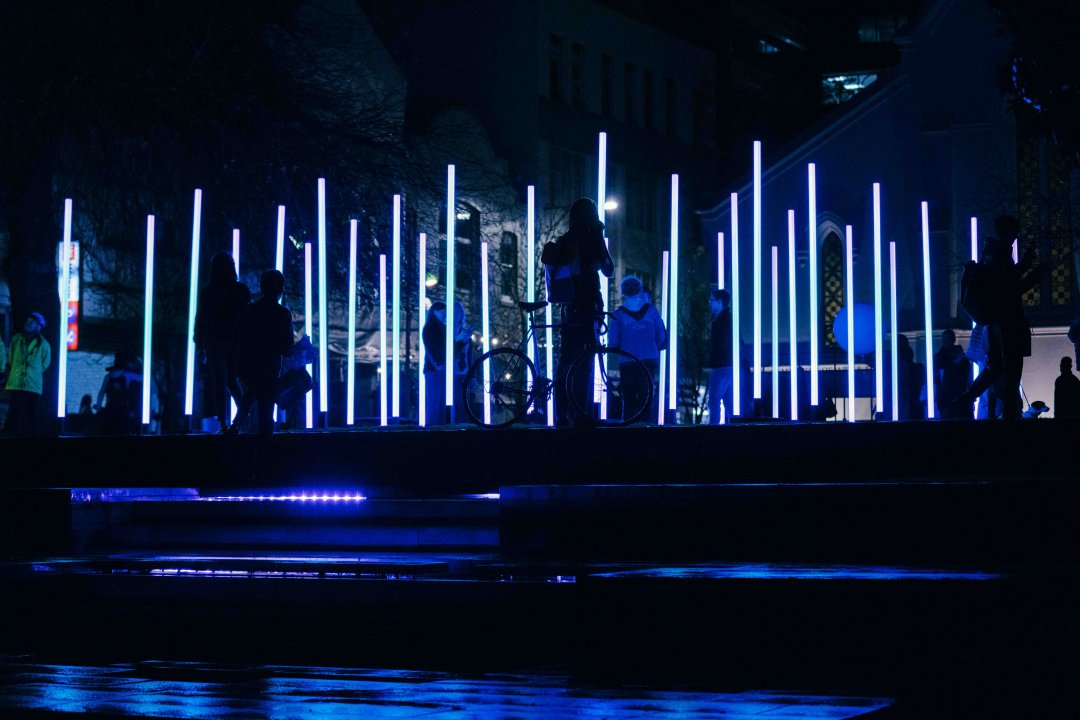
{"x": 975, "y": 293}
{"x": 562, "y": 281}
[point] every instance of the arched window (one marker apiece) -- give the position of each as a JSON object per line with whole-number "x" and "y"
{"x": 832, "y": 285}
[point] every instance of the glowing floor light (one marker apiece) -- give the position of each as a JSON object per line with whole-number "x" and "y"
{"x": 421, "y": 353}
{"x": 930, "y": 410}
{"x": 236, "y": 260}
{"x": 673, "y": 358}
{"x": 879, "y": 330}
{"x": 975, "y": 258}
{"x": 451, "y": 214}
{"x": 382, "y": 339}
{"x": 736, "y": 350}
{"x": 323, "y": 349}
{"x": 309, "y": 397}
{"x": 350, "y": 378}
{"x": 661, "y": 405}
{"x": 757, "y": 269}
{"x": 530, "y": 263}
{"x": 148, "y": 321}
{"x": 775, "y": 336}
{"x": 793, "y": 335}
{"x": 65, "y": 291}
{"x": 720, "y": 260}
{"x": 396, "y": 402}
{"x": 850, "y": 301}
{"x": 811, "y": 182}
{"x": 893, "y": 333}
{"x": 193, "y": 300}
{"x": 485, "y": 325}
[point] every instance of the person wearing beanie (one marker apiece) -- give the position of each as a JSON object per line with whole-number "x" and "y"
{"x": 29, "y": 357}
{"x": 637, "y": 328}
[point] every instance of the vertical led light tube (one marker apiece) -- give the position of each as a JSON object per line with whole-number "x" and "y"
{"x": 193, "y": 301}
{"x": 849, "y": 300}
{"x": 148, "y": 322}
{"x": 811, "y": 182}
{"x": 757, "y": 269}
{"x": 421, "y": 351}
{"x": 350, "y": 377}
{"x": 309, "y": 397}
{"x": 236, "y": 261}
{"x": 673, "y": 357}
{"x": 736, "y": 345}
{"x": 396, "y": 269}
{"x": 65, "y": 294}
{"x": 279, "y": 240}
{"x": 975, "y": 258}
{"x": 530, "y": 265}
{"x": 661, "y": 405}
{"x": 599, "y": 389}
{"x": 893, "y": 333}
{"x": 382, "y": 341}
{"x": 485, "y": 326}
{"x": 720, "y": 261}
{"x": 879, "y": 330}
{"x": 323, "y": 349}
{"x": 930, "y": 409}
{"x": 793, "y": 335}
{"x": 451, "y": 221}
{"x": 775, "y": 334}
{"x": 549, "y": 356}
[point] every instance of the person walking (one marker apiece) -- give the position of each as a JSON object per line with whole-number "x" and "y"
{"x": 637, "y": 328}
{"x": 28, "y": 359}
{"x": 217, "y": 322}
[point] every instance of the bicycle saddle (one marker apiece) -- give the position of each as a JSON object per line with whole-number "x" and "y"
{"x": 532, "y": 306}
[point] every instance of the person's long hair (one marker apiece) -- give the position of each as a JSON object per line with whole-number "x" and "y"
{"x": 222, "y": 269}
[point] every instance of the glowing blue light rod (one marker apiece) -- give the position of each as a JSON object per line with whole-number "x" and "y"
{"x": 193, "y": 300}
{"x": 65, "y": 294}
{"x": 148, "y": 321}
{"x": 485, "y": 326}
{"x": 930, "y": 409}
{"x": 382, "y": 341}
{"x": 850, "y": 301}
{"x": 879, "y": 331}
{"x": 451, "y": 219}
{"x": 309, "y": 397}
{"x": 793, "y": 336}
{"x": 421, "y": 384}
{"x": 757, "y": 269}
{"x": 736, "y": 349}
{"x": 775, "y": 335}
{"x": 530, "y": 263}
{"x": 396, "y": 402}
{"x": 663, "y": 353}
{"x": 893, "y": 333}
{"x": 323, "y": 349}
{"x": 599, "y": 389}
{"x": 236, "y": 260}
{"x": 279, "y": 245}
{"x": 350, "y": 378}
{"x": 811, "y": 181}
{"x": 975, "y": 258}
{"x": 549, "y": 354}
{"x": 673, "y": 367}
{"x": 720, "y": 260}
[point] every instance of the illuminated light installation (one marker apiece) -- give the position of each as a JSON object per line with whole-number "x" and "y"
{"x": 279, "y": 258}
{"x": 673, "y": 358}
{"x": 850, "y": 300}
{"x": 720, "y": 261}
{"x": 309, "y": 397}
{"x": 893, "y": 332}
{"x": 736, "y": 350}
{"x": 811, "y": 182}
{"x": 1016, "y": 251}
{"x": 236, "y": 261}
{"x": 421, "y": 414}
{"x": 599, "y": 388}
{"x": 323, "y": 350}
{"x": 879, "y": 330}
{"x": 148, "y": 321}
{"x": 793, "y": 336}
{"x": 291, "y": 497}
{"x": 65, "y": 289}
{"x": 661, "y": 405}
{"x": 930, "y": 409}
{"x": 396, "y": 269}
{"x": 975, "y": 258}
{"x": 193, "y": 300}
{"x": 757, "y": 269}
{"x": 485, "y": 326}
{"x": 775, "y": 336}
{"x": 451, "y": 215}
{"x": 350, "y": 377}
{"x": 549, "y": 356}
{"x": 382, "y": 339}
{"x": 530, "y": 264}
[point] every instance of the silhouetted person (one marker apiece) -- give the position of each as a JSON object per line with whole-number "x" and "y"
{"x": 265, "y": 337}
{"x": 28, "y": 359}
{"x": 434, "y": 337}
{"x": 1067, "y": 391}
{"x": 120, "y": 396}
{"x": 637, "y": 328}
{"x": 581, "y": 249}
{"x": 721, "y": 376}
{"x": 86, "y": 405}
{"x": 217, "y": 322}
{"x": 1074, "y": 338}
{"x": 1008, "y": 335}
{"x": 953, "y": 371}
{"x": 912, "y": 381}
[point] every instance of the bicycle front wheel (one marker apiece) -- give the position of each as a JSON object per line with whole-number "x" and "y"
{"x": 610, "y": 386}
{"x": 498, "y": 387}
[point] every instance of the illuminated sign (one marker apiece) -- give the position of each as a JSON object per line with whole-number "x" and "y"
{"x": 73, "y": 292}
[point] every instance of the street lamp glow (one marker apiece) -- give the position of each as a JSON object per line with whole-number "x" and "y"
{"x": 610, "y": 204}
{"x": 65, "y": 292}
{"x": 193, "y": 300}
{"x": 930, "y": 409}
{"x": 148, "y": 321}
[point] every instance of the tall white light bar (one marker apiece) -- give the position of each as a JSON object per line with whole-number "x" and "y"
{"x": 975, "y": 258}
{"x": 350, "y": 377}
{"x": 757, "y": 269}
{"x": 65, "y": 293}
{"x": 775, "y": 334}
{"x": 421, "y": 408}
{"x": 930, "y": 409}
{"x": 193, "y": 300}
{"x": 530, "y": 263}
{"x": 485, "y": 325}
{"x": 661, "y": 405}
{"x": 236, "y": 261}
{"x": 279, "y": 244}
{"x": 893, "y": 331}
{"x": 879, "y": 329}
{"x": 850, "y": 301}
{"x": 309, "y": 398}
{"x": 323, "y": 349}
{"x": 673, "y": 358}
{"x": 451, "y": 220}
{"x": 148, "y": 321}
{"x": 396, "y": 402}
{"x": 600, "y": 390}
{"x": 720, "y": 260}
{"x": 382, "y": 341}
{"x": 811, "y": 223}
{"x": 736, "y": 346}
{"x": 793, "y": 336}
{"x": 549, "y": 355}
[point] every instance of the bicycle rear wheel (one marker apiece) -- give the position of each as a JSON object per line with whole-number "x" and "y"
{"x": 497, "y": 387}
{"x": 623, "y": 382}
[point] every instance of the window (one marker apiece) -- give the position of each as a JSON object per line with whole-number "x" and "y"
{"x": 629, "y": 96}
{"x": 567, "y": 181}
{"x": 466, "y": 246}
{"x": 669, "y": 108}
{"x": 836, "y": 89}
{"x": 606, "y": 63}
{"x": 555, "y": 68}
{"x": 640, "y": 200}
{"x": 648, "y": 99}
{"x": 577, "y": 75}
{"x": 508, "y": 265}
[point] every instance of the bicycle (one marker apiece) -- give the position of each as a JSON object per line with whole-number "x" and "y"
{"x": 503, "y": 385}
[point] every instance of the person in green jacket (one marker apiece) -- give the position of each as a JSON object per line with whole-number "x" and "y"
{"x": 29, "y": 358}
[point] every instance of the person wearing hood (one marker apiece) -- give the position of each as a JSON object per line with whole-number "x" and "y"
{"x": 637, "y": 328}
{"x": 28, "y": 359}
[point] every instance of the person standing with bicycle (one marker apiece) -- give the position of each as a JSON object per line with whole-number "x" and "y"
{"x": 573, "y": 261}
